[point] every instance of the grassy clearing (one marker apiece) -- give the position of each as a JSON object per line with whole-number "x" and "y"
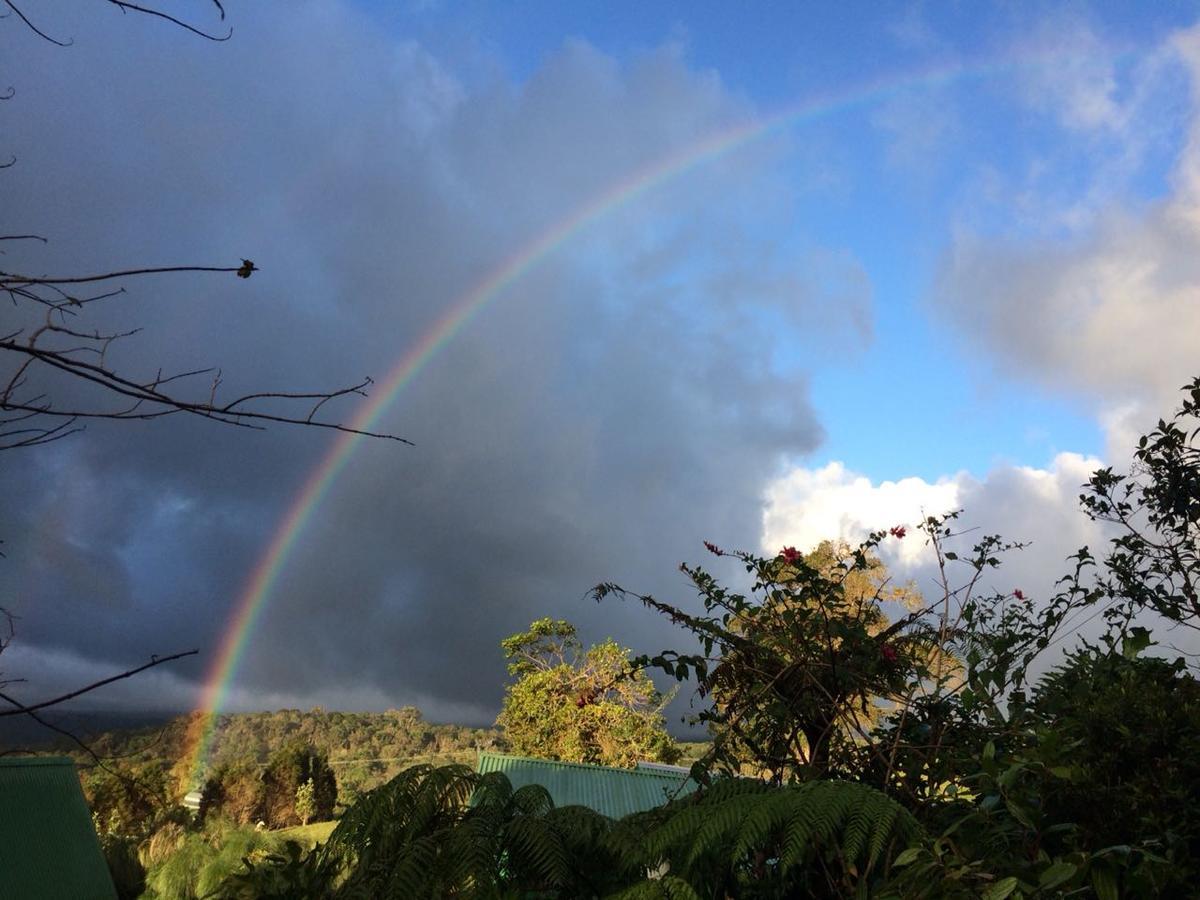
{"x": 306, "y": 835}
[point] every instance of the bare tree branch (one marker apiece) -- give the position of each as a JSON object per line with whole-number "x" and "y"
{"x": 124, "y": 6}
{"x": 37, "y": 347}
{"x": 145, "y": 10}
{"x": 8, "y": 279}
{"x": 34, "y": 28}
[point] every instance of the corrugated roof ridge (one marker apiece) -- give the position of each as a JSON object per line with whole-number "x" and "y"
{"x": 644, "y": 773}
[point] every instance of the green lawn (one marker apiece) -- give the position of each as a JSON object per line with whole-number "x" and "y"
{"x": 306, "y": 835}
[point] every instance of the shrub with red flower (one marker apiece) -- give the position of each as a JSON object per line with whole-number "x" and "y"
{"x": 898, "y": 531}
{"x": 888, "y": 652}
{"x": 790, "y": 555}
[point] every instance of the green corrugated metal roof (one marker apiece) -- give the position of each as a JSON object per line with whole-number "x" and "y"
{"x": 611, "y": 791}
{"x": 48, "y": 848}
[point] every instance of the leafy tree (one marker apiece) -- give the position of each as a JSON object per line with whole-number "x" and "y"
{"x": 1118, "y": 737}
{"x": 797, "y": 670}
{"x": 580, "y": 706}
{"x": 306, "y": 802}
{"x": 234, "y": 791}
{"x": 123, "y": 802}
{"x": 1153, "y": 563}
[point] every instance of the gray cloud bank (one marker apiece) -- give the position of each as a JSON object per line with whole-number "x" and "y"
{"x": 612, "y": 408}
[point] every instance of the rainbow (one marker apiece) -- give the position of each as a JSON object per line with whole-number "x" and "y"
{"x": 258, "y": 587}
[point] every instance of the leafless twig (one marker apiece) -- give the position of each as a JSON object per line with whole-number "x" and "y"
{"x": 29, "y": 709}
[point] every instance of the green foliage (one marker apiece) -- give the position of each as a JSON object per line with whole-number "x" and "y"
{"x": 1153, "y": 563}
{"x": 1126, "y": 732}
{"x": 580, "y": 706}
{"x": 283, "y": 875}
{"x": 745, "y": 837}
{"x": 124, "y": 800}
{"x": 439, "y": 832}
{"x": 306, "y": 803}
{"x": 205, "y": 860}
{"x": 247, "y": 794}
{"x": 797, "y": 670}
{"x": 289, "y": 768}
{"x": 436, "y": 832}
{"x": 128, "y": 875}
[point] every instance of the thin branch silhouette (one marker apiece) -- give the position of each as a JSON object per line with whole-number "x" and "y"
{"x": 125, "y": 7}
{"x": 26, "y": 709}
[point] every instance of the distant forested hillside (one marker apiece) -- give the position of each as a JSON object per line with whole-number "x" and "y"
{"x": 364, "y": 749}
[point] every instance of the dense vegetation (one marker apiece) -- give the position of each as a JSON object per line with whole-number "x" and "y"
{"x": 899, "y": 749}
{"x": 259, "y": 766}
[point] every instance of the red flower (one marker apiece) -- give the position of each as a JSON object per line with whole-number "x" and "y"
{"x": 790, "y": 554}
{"x": 888, "y": 652}
{"x": 713, "y": 548}
{"x": 898, "y": 531}
{"x": 1018, "y": 594}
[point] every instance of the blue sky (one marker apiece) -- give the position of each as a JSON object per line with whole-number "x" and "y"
{"x": 968, "y": 287}
{"x": 936, "y": 405}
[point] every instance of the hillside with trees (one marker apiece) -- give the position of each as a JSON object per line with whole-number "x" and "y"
{"x": 147, "y": 769}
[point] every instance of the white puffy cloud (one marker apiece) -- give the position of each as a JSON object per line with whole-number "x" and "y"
{"x": 1031, "y": 505}
{"x": 1034, "y": 506}
{"x": 807, "y": 506}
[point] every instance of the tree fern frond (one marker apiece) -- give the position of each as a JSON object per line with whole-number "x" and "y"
{"x": 718, "y": 825}
{"x": 536, "y": 851}
{"x": 532, "y": 800}
{"x": 885, "y": 829}
{"x": 762, "y": 823}
{"x": 857, "y": 827}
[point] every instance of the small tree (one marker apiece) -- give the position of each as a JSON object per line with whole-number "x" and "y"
{"x": 306, "y": 801}
{"x": 580, "y": 706}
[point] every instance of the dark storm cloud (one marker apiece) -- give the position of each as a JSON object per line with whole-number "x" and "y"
{"x": 615, "y": 406}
